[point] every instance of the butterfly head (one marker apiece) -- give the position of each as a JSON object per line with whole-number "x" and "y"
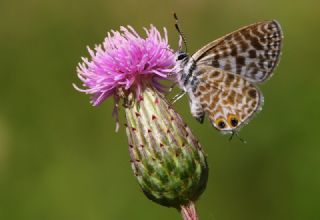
{"x": 181, "y": 56}
{"x": 181, "y": 59}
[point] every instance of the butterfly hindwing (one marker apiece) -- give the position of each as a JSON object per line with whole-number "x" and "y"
{"x": 252, "y": 51}
{"x": 228, "y": 100}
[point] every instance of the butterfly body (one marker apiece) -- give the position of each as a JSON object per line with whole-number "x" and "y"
{"x": 220, "y": 79}
{"x": 188, "y": 82}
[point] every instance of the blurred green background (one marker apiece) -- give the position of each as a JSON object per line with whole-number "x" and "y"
{"x": 60, "y": 158}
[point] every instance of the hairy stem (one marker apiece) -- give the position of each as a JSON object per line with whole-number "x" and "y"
{"x": 189, "y": 212}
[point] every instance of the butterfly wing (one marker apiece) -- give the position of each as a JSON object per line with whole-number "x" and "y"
{"x": 252, "y": 51}
{"x": 229, "y": 100}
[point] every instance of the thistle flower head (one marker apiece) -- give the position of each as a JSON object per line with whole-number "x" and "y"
{"x": 123, "y": 61}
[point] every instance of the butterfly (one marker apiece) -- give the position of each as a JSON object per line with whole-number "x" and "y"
{"x": 221, "y": 78}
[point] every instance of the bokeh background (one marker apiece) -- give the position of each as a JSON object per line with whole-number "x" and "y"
{"x": 60, "y": 158}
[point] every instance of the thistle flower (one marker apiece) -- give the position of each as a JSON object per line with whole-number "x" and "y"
{"x": 125, "y": 60}
{"x": 166, "y": 158}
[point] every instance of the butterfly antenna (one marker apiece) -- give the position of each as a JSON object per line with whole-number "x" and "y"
{"x": 180, "y": 32}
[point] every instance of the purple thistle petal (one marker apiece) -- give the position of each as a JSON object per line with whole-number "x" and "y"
{"x": 125, "y": 59}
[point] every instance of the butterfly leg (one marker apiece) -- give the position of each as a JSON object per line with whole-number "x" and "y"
{"x": 172, "y": 86}
{"x": 177, "y": 97}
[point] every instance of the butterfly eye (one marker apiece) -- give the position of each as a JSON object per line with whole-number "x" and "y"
{"x": 233, "y": 120}
{"x": 220, "y": 123}
{"x": 181, "y": 56}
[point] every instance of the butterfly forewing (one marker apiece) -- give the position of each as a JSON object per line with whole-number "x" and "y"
{"x": 252, "y": 51}
{"x": 228, "y": 99}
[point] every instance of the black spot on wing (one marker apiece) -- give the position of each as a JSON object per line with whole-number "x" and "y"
{"x": 215, "y": 63}
{"x": 256, "y": 44}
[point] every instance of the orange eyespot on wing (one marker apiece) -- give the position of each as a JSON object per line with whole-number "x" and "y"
{"x": 233, "y": 120}
{"x": 221, "y": 123}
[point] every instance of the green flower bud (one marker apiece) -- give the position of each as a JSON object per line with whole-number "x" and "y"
{"x": 166, "y": 158}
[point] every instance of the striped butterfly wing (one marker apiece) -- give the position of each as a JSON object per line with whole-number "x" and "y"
{"x": 228, "y": 99}
{"x": 252, "y": 51}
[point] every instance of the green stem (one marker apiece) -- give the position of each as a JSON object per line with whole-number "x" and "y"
{"x": 189, "y": 212}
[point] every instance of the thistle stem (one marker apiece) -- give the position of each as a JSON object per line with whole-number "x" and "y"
{"x": 189, "y": 212}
